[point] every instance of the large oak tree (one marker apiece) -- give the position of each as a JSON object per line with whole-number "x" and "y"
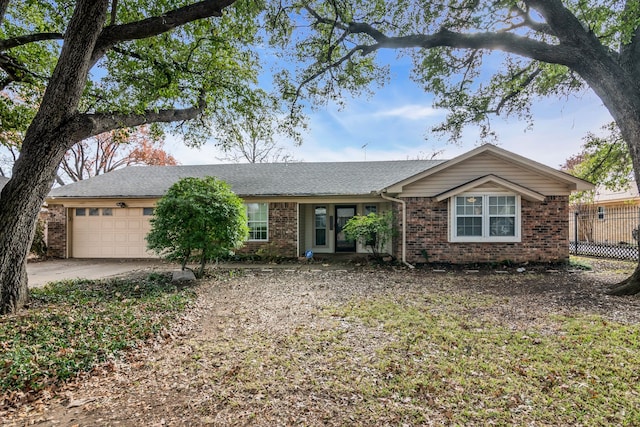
{"x": 478, "y": 57}
{"x": 101, "y": 65}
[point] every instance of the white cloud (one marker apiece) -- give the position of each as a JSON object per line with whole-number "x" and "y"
{"x": 411, "y": 112}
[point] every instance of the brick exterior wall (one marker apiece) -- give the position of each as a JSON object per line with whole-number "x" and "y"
{"x": 544, "y": 234}
{"x": 56, "y": 231}
{"x": 283, "y": 228}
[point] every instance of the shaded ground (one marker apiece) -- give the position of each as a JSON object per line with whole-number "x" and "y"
{"x": 192, "y": 374}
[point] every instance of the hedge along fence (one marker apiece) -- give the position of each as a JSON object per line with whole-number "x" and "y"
{"x": 610, "y": 232}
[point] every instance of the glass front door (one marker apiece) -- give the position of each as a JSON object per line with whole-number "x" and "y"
{"x": 344, "y": 214}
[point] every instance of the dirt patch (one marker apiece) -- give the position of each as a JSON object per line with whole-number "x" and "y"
{"x": 190, "y": 375}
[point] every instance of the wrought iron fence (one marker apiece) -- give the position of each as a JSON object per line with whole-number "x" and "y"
{"x": 610, "y": 232}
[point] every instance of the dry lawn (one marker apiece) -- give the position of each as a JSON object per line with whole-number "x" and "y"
{"x": 365, "y": 347}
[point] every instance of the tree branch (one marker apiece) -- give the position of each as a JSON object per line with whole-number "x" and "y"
{"x": 630, "y": 52}
{"x": 527, "y": 21}
{"x": 15, "y": 72}
{"x": 516, "y": 91}
{"x": 323, "y": 70}
{"x": 26, "y": 39}
{"x": 113, "y": 34}
{"x": 3, "y": 9}
{"x": 564, "y": 24}
{"x": 321, "y": 20}
{"x": 114, "y": 12}
{"x": 506, "y": 42}
{"x": 86, "y": 125}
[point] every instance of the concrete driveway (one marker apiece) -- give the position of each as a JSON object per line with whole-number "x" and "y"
{"x": 43, "y": 272}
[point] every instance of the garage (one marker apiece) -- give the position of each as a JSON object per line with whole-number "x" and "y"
{"x": 110, "y": 232}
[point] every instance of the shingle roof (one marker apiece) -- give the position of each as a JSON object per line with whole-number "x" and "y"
{"x": 265, "y": 179}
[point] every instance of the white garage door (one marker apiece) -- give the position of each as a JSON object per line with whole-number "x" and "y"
{"x": 110, "y": 232}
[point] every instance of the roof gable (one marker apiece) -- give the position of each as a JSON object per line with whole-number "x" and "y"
{"x": 570, "y": 182}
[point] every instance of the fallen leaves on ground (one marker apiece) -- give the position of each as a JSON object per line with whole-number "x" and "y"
{"x": 278, "y": 348}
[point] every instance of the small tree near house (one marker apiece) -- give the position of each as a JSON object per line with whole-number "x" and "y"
{"x": 373, "y": 231}
{"x": 198, "y": 218}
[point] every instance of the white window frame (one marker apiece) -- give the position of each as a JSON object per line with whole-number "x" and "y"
{"x": 486, "y": 237}
{"x": 325, "y": 228}
{"x": 250, "y": 221}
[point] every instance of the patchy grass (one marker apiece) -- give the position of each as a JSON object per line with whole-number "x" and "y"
{"x": 580, "y": 263}
{"x": 472, "y": 371}
{"x": 605, "y": 265}
{"x": 72, "y": 326}
{"x": 419, "y": 359}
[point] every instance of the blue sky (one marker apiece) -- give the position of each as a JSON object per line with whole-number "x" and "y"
{"x": 393, "y": 123}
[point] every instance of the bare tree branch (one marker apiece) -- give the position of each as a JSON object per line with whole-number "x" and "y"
{"x": 527, "y": 21}
{"x": 566, "y": 26}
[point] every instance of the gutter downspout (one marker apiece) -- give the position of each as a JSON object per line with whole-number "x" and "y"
{"x": 404, "y": 226}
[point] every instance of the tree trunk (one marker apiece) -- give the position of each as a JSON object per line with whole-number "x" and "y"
{"x": 629, "y": 286}
{"x": 21, "y": 200}
{"x": 617, "y": 86}
{"x": 51, "y": 133}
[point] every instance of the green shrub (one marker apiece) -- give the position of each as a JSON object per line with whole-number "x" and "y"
{"x": 373, "y": 231}
{"x": 198, "y": 217}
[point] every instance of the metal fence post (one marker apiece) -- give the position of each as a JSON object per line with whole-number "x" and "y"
{"x": 575, "y": 232}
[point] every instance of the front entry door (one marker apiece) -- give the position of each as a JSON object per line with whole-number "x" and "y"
{"x": 344, "y": 214}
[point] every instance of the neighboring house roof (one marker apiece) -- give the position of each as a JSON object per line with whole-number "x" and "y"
{"x": 3, "y": 181}
{"x": 604, "y": 195}
{"x": 262, "y": 179}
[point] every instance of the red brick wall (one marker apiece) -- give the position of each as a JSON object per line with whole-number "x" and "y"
{"x": 544, "y": 232}
{"x": 56, "y": 231}
{"x": 283, "y": 228}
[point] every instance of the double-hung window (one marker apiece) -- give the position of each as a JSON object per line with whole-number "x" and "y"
{"x": 258, "y": 221}
{"x": 485, "y": 218}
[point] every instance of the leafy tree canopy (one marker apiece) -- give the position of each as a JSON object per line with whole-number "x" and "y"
{"x": 478, "y": 58}
{"x": 604, "y": 160}
{"x": 199, "y": 217}
{"x": 140, "y": 64}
